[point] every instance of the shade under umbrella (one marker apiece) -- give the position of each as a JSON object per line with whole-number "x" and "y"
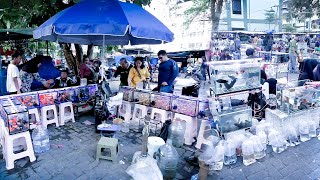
{"x": 119, "y": 22}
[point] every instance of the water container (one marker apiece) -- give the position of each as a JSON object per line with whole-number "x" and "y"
{"x": 304, "y": 131}
{"x": 230, "y": 156}
{"x": 40, "y": 139}
{"x": 176, "y": 132}
{"x": 168, "y": 158}
{"x": 248, "y": 152}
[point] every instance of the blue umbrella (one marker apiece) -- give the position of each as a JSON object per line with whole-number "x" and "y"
{"x": 100, "y": 22}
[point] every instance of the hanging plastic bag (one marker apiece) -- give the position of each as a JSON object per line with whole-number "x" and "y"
{"x": 144, "y": 169}
{"x": 218, "y": 157}
{"x": 312, "y": 129}
{"x": 304, "y": 131}
{"x": 263, "y": 138}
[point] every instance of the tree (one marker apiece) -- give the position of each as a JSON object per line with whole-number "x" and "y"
{"x": 289, "y": 28}
{"x": 303, "y": 9}
{"x": 201, "y": 7}
{"x": 270, "y": 17}
{"x": 32, "y": 13}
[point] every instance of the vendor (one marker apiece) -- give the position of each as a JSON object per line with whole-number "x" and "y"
{"x": 123, "y": 71}
{"x": 139, "y": 73}
{"x": 13, "y": 77}
{"x": 63, "y": 81}
{"x": 86, "y": 69}
{"x": 29, "y": 72}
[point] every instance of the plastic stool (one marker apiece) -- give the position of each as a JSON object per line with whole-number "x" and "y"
{"x": 44, "y": 117}
{"x": 164, "y": 115}
{"x": 35, "y": 112}
{"x": 191, "y": 127}
{"x": 63, "y": 117}
{"x": 127, "y": 113}
{"x": 136, "y": 120}
{"x": 201, "y": 140}
{"x": 108, "y": 143}
{"x": 8, "y": 153}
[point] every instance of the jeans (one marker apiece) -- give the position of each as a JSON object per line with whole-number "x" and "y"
{"x": 166, "y": 89}
{"x": 292, "y": 62}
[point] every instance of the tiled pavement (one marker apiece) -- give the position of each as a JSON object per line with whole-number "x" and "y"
{"x": 73, "y": 148}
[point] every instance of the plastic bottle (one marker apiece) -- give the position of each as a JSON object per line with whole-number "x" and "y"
{"x": 218, "y": 157}
{"x": 176, "y": 132}
{"x": 248, "y": 152}
{"x": 40, "y": 139}
{"x": 168, "y": 158}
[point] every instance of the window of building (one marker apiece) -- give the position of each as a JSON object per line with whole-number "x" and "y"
{"x": 236, "y": 7}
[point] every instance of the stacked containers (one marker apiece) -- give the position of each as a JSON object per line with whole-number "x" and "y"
{"x": 185, "y": 105}
{"x": 127, "y": 93}
{"x": 161, "y": 100}
{"x": 15, "y": 117}
{"x": 142, "y": 97}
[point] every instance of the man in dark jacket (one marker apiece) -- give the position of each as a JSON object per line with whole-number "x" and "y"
{"x": 63, "y": 81}
{"x": 168, "y": 71}
{"x": 123, "y": 71}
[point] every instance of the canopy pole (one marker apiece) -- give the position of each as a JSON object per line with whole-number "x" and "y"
{"x": 103, "y": 64}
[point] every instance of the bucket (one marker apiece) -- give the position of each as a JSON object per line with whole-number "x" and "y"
{"x": 153, "y": 144}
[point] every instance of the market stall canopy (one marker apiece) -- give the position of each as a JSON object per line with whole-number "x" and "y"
{"x": 15, "y": 34}
{"x": 100, "y": 22}
{"x": 136, "y": 51}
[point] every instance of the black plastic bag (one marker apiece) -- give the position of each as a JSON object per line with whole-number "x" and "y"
{"x": 164, "y": 133}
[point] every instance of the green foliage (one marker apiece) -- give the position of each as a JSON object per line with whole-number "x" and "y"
{"x": 270, "y": 16}
{"x": 199, "y": 8}
{"x": 289, "y": 28}
{"x": 302, "y": 9}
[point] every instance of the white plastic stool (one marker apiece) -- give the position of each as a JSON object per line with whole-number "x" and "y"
{"x": 153, "y": 144}
{"x": 191, "y": 127}
{"x": 136, "y": 120}
{"x": 164, "y": 115}
{"x": 8, "y": 153}
{"x": 44, "y": 115}
{"x": 35, "y": 112}
{"x": 125, "y": 110}
{"x": 63, "y": 117}
{"x": 201, "y": 140}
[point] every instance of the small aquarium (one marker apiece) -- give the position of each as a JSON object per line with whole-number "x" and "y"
{"x": 142, "y": 97}
{"x": 66, "y": 95}
{"x": 127, "y": 93}
{"x": 29, "y": 100}
{"x": 185, "y": 105}
{"x": 161, "y": 100}
{"x": 47, "y": 98}
{"x": 15, "y": 118}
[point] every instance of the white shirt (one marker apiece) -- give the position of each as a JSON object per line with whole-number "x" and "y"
{"x": 13, "y": 72}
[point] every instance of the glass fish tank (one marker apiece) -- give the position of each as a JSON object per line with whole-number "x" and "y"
{"x": 235, "y": 119}
{"x": 127, "y": 93}
{"x": 47, "y": 98}
{"x": 185, "y": 105}
{"x": 234, "y": 76}
{"x": 142, "y": 96}
{"x": 161, "y": 100}
{"x": 29, "y": 100}
{"x": 297, "y": 96}
{"x": 277, "y": 118}
{"x": 66, "y": 95}
{"x": 93, "y": 88}
{"x": 16, "y": 118}
{"x": 82, "y": 94}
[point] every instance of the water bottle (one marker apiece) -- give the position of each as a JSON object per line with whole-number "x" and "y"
{"x": 168, "y": 158}
{"x": 176, "y": 133}
{"x": 40, "y": 139}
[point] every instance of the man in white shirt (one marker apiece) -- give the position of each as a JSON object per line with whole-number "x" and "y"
{"x": 13, "y": 75}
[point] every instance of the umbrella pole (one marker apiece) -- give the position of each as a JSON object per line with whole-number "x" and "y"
{"x": 104, "y": 64}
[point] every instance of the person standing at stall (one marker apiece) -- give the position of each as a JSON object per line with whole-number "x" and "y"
{"x": 293, "y": 53}
{"x": 123, "y": 71}
{"x": 13, "y": 77}
{"x": 168, "y": 71}
{"x": 29, "y": 72}
{"x": 139, "y": 73}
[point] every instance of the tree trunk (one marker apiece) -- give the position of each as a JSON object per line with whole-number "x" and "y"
{"x": 69, "y": 57}
{"x": 216, "y": 10}
{"x": 79, "y": 56}
{"x": 90, "y": 51}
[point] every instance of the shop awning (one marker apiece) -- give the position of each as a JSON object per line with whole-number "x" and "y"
{"x": 15, "y": 34}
